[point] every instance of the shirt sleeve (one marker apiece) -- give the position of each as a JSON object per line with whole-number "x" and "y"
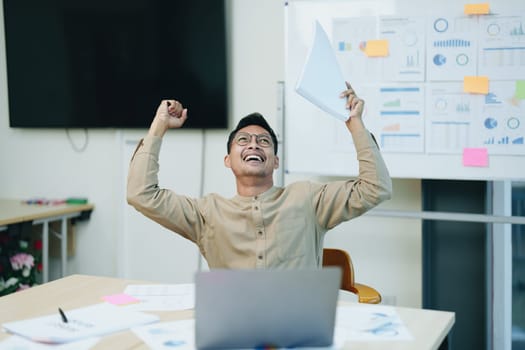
{"x": 176, "y": 212}
{"x": 340, "y": 201}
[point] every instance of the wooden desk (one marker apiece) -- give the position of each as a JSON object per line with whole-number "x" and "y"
{"x": 14, "y": 212}
{"x": 429, "y": 328}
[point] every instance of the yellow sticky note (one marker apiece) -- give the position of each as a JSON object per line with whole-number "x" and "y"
{"x": 476, "y": 85}
{"x": 477, "y": 9}
{"x": 376, "y": 48}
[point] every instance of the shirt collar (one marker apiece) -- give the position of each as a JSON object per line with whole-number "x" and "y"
{"x": 266, "y": 194}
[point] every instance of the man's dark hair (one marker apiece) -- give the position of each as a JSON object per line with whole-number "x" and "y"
{"x": 252, "y": 119}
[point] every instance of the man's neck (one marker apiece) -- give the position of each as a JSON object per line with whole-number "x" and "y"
{"x": 252, "y": 188}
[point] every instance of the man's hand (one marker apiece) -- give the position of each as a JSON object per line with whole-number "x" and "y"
{"x": 355, "y": 105}
{"x": 170, "y": 115}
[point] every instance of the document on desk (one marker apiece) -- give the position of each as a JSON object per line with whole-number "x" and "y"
{"x": 168, "y": 335}
{"x": 181, "y": 335}
{"x": 95, "y": 320}
{"x": 161, "y": 297}
{"x": 370, "y": 323}
{"x": 15, "y": 342}
{"x": 321, "y": 81}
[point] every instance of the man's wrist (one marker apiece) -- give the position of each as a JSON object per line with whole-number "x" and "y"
{"x": 355, "y": 124}
{"x": 157, "y": 128}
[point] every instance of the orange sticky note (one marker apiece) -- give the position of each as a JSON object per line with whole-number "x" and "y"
{"x": 475, "y": 157}
{"x": 477, "y": 9}
{"x": 476, "y": 85}
{"x": 376, "y": 48}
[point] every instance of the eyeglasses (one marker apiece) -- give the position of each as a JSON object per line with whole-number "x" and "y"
{"x": 244, "y": 138}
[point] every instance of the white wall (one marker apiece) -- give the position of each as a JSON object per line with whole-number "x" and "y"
{"x": 116, "y": 242}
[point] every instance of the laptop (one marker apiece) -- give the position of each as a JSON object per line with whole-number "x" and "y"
{"x": 265, "y": 308}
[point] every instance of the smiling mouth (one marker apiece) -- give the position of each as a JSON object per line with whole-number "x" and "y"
{"x": 253, "y": 158}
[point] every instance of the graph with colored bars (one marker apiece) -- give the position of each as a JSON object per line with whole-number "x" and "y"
{"x": 393, "y": 103}
{"x": 502, "y": 52}
{"x": 452, "y": 43}
{"x": 505, "y": 140}
{"x": 516, "y": 31}
{"x": 491, "y": 99}
{"x": 513, "y": 28}
{"x": 412, "y": 60}
{"x": 463, "y": 107}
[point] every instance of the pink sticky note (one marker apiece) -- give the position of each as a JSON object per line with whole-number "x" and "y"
{"x": 120, "y": 299}
{"x": 475, "y": 157}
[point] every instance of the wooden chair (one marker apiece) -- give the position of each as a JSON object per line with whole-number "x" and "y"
{"x": 340, "y": 258}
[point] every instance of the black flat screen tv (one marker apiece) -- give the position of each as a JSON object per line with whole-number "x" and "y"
{"x": 109, "y": 63}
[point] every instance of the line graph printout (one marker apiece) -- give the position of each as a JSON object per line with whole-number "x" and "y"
{"x": 349, "y": 41}
{"x": 456, "y": 120}
{"x": 399, "y": 123}
{"x": 501, "y": 125}
{"x": 451, "y": 48}
{"x": 406, "y": 37}
{"x": 448, "y": 136}
{"x": 502, "y": 46}
{"x": 450, "y": 114}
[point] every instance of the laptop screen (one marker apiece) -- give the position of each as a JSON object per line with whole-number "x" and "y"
{"x": 261, "y": 308}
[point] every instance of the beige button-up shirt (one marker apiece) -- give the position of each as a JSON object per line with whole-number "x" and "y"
{"x": 280, "y": 228}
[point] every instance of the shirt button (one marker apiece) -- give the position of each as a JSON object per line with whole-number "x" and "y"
{"x": 260, "y": 233}
{"x": 256, "y": 208}
{"x": 256, "y": 197}
{"x": 260, "y": 257}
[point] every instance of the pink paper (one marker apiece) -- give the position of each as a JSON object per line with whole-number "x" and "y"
{"x": 475, "y": 157}
{"x": 120, "y": 299}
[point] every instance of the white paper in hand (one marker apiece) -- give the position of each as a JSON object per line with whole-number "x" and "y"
{"x": 321, "y": 81}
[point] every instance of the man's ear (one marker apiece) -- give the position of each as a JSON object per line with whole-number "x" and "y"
{"x": 227, "y": 162}
{"x": 276, "y": 163}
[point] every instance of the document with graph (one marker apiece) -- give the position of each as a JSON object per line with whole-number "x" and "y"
{"x": 77, "y": 324}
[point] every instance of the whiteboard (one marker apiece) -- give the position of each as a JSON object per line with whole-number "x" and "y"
{"x": 427, "y": 126}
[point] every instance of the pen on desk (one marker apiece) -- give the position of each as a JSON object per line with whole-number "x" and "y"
{"x": 63, "y": 315}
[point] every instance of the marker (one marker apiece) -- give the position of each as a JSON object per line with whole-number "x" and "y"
{"x": 63, "y": 315}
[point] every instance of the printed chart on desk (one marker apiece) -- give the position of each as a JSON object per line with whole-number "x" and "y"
{"x": 424, "y": 120}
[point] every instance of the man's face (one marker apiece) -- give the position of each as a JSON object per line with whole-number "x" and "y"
{"x": 254, "y": 158}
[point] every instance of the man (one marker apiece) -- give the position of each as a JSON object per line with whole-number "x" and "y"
{"x": 263, "y": 226}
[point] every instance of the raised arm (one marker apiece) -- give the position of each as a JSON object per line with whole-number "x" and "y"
{"x": 343, "y": 200}
{"x": 173, "y": 211}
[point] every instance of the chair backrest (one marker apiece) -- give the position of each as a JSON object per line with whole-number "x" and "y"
{"x": 340, "y": 258}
